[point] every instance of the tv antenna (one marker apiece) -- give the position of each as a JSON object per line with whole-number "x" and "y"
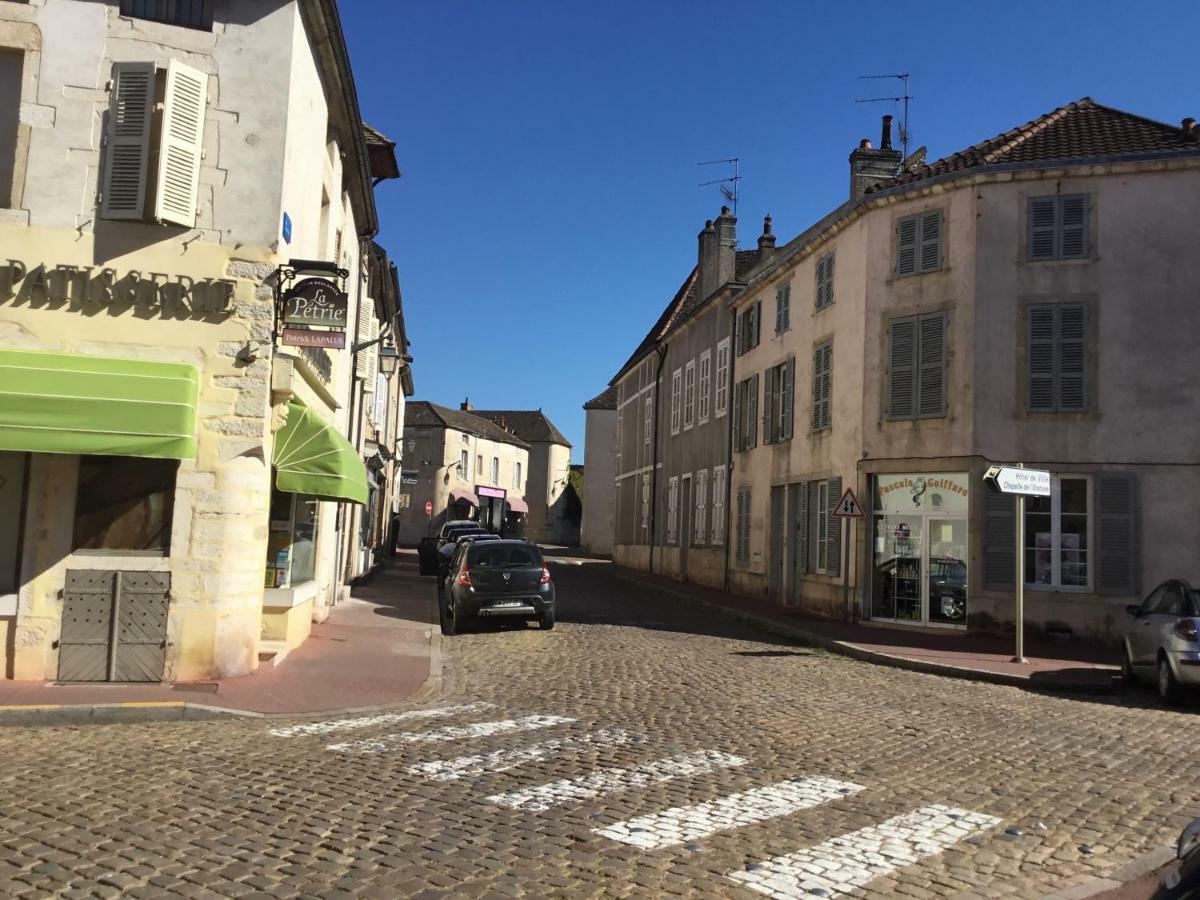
{"x": 729, "y": 186}
{"x": 903, "y": 98}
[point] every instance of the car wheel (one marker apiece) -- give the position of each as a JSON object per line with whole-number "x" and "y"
{"x": 1168, "y": 687}
{"x": 546, "y": 619}
{"x": 1128, "y": 676}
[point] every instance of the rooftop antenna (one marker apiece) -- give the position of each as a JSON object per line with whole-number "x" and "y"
{"x": 729, "y": 186}
{"x": 904, "y": 98}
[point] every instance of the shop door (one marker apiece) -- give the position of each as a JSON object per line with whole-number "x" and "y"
{"x": 114, "y": 626}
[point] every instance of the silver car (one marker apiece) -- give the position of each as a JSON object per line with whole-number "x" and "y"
{"x": 1163, "y": 639}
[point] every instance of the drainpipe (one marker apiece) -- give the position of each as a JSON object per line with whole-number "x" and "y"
{"x": 729, "y": 538}
{"x": 662, "y": 361}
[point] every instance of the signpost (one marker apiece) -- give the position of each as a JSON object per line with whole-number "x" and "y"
{"x": 1023, "y": 483}
{"x": 847, "y": 508}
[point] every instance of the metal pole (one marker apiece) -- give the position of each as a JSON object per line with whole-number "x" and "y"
{"x": 1019, "y": 613}
{"x": 846, "y": 570}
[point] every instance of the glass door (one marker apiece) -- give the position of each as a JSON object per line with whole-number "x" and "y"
{"x": 947, "y": 582}
{"x": 899, "y": 568}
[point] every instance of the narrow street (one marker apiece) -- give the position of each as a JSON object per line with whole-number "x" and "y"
{"x": 639, "y": 749}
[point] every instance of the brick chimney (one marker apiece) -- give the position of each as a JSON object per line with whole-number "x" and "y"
{"x": 718, "y": 245}
{"x": 766, "y": 241}
{"x": 466, "y": 405}
{"x": 869, "y": 166}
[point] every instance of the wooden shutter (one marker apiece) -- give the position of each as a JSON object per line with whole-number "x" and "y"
{"x": 902, "y": 368}
{"x": 1041, "y": 352}
{"x": 127, "y": 150}
{"x": 739, "y": 442}
{"x": 181, "y": 145}
{"x": 931, "y": 241}
{"x": 1073, "y": 224}
{"x": 822, "y": 362}
{"x": 365, "y": 361}
{"x": 768, "y": 421}
{"x": 752, "y": 411}
{"x": 1071, "y": 361}
{"x": 906, "y": 246}
{"x": 931, "y": 385}
{"x": 1116, "y": 533}
{"x": 787, "y": 401}
{"x": 833, "y": 551}
{"x": 999, "y": 540}
{"x": 825, "y": 281}
{"x": 757, "y": 315}
{"x": 800, "y": 518}
{"x": 1042, "y": 214}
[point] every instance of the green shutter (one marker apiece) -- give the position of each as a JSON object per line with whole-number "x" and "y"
{"x": 931, "y": 241}
{"x": 1073, "y": 223}
{"x": 999, "y": 540}
{"x": 1042, "y": 214}
{"x": 833, "y": 555}
{"x": 906, "y": 246}
{"x": 931, "y": 391}
{"x": 902, "y": 368}
{"x": 1116, "y": 534}
{"x": 1041, "y": 352}
{"x": 787, "y": 402}
{"x": 1071, "y": 361}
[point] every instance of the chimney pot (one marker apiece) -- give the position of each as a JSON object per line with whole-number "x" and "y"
{"x": 766, "y": 241}
{"x": 864, "y": 144}
{"x": 1189, "y": 126}
{"x": 885, "y": 139}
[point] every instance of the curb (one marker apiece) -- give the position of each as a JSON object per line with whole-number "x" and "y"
{"x": 784, "y": 629}
{"x": 1131, "y": 871}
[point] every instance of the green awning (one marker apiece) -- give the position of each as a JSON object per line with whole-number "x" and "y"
{"x": 312, "y": 458}
{"x": 70, "y": 403}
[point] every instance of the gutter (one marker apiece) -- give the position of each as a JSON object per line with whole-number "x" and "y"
{"x": 661, "y": 350}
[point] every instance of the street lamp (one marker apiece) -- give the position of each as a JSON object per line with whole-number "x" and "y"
{"x": 389, "y": 359}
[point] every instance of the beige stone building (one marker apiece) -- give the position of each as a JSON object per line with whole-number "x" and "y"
{"x": 599, "y": 486}
{"x": 173, "y": 479}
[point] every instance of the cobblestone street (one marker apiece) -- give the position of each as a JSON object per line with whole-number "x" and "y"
{"x": 640, "y": 749}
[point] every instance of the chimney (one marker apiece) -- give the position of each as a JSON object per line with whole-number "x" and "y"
{"x": 1189, "y": 129}
{"x": 766, "y": 241}
{"x": 718, "y": 245}
{"x": 869, "y": 166}
{"x": 466, "y": 405}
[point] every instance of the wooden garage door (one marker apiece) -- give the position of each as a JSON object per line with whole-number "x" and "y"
{"x": 114, "y": 626}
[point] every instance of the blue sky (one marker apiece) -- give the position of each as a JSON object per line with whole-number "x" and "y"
{"x": 549, "y": 205}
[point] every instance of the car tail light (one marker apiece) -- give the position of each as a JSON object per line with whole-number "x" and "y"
{"x": 545, "y": 579}
{"x": 1186, "y": 629}
{"x": 464, "y": 578}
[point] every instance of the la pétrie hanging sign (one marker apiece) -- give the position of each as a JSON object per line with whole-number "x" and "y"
{"x": 315, "y": 303}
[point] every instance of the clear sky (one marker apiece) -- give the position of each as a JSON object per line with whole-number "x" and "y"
{"x": 549, "y": 205}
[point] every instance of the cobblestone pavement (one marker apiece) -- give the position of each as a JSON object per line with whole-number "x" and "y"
{"x": 641, "y": 749}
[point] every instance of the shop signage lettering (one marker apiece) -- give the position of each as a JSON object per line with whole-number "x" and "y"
{"x": 937, "y": 492}
{"x": 315, "y": 301}
{"x": 101, "y": 286}
{"x": 300, "y": 337}
{"x": 490, "y": 492}
{"x": 935, "y": 483}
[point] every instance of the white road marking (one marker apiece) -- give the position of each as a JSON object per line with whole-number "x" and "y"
{"x": 503, "y": 760}
{"x": 688, "y": 823}
{"x": 384, "y": 719}
{"x": 853, "y": 860}
{"x": 614, "y": 780}
{"x": 387, "y": 742}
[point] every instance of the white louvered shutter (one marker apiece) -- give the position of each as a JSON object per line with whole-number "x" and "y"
{"x": 379, "y": 414}
{"x": 127, "y": 150}
{"x": 181, "y": 145}
{"x": 366, "y": 362}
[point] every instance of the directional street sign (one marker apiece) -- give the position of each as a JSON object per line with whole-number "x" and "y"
{"x": 1012, "y": 480}
{"x": 848, "y": 507}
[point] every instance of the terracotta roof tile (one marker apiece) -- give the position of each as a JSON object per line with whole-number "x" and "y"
{"x": 418, "y": 413}
{"x": 606, "y": 399}
{"x": 530, "y": 425}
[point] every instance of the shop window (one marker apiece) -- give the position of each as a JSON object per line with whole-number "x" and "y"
{"x": 124, "y": 503}
{"x": 1057, "y": 534}
{"x": 291, "y": 540}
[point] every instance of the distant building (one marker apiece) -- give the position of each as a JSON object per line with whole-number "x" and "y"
{"x": 599, "y": 488}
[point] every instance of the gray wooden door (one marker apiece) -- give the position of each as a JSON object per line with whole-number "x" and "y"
{"x": 86, "y": 625}
{"x": 141, "y": 634}
{"x": 114, "y": 626}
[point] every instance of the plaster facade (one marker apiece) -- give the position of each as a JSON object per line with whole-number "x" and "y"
{"x": 599, "y": 485}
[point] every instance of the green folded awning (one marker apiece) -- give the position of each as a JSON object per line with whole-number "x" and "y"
{"x": 70, "y": 403}
{"x": 312, "y": 458}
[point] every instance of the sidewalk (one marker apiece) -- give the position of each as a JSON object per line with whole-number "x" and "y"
{"x": 376, "y": 650}
{"x": 1072, "y": 667}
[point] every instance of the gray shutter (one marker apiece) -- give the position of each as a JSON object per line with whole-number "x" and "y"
{"x": 1041, "y": 353}
{"x": 768, "y": 429}
{"x": 999, "y": 540}
{"x": 827, "y": 388}
{"x": 123, "y": 182}
{"x": 1072, "y": 364}
{"x": 801, "y": 523}
{"x": 816, "y": 388}
{"x": 1042, "y": 212}
{"x": 1116, "y": 533}
{"x": 906, "y": 246}
{"x": 931, "y": 390}
{"x": 181, "y": 145}
{"x": 931, "y": 241}
{"x": 902, "y": 368}
{"x": 737, "y": 416}
{"x": 757, "y": 323}
{"x": 833, "y": 551}
{"x": 1073, "y": 223}
{"x": 787, "y": 401}
{"x": 752, "y": 412}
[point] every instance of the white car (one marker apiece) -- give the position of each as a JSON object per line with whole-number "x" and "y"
{"x": 1162, "y": 640}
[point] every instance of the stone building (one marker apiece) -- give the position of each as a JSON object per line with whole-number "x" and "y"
{"x": 599, "y": 487}
{"x": 172, "y": 477}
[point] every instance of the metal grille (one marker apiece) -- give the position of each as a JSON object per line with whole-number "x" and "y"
{"x": 189, "y": 13}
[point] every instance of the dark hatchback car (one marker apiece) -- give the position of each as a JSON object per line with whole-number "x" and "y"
{"x": 503, "y": 579}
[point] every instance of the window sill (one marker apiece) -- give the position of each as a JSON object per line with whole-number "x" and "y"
{"x": 125, "y": 561}
{"x": 289, "y": 598}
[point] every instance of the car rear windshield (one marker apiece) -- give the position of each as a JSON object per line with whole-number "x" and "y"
{"x": 1194, "y": 601}
{"x": 503, "y": 556}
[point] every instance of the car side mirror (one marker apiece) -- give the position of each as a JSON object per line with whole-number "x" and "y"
{"x": 1133, "y": 610}
{"x": 1188, "y": 840}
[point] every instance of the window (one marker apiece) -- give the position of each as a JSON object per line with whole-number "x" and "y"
{"x": 777, "y": 402}
{"x": 188, "y": 13}
{"x": 1058, "y": 227}
{"x": 649, "y": 429}
{"x": 517, "y": 475}
{"x": 745, "y": 413}
{"x": 479, "y": 464}
{"x": 124, "y": 503}
{"x": 464, "y": 465}
{"x": 722, "y": 395}
{"x": 704, "y": 386}
{"x": 689, "y": 395}
{"x": 645, "y": 501}
{"x": 818, "y": 531}
{"x": 700, "y": 486}
{"x": 676, "y": 391}
{"x": 465, "y": 438}
{"x": 1057, "y": 365}
{"x": 748, "y": 328}
{"x": 1057, "y": 534}
{"x": 824, "y": 291}
{"x": 783, "y": 308}
{"x": 291, "y": 540}
{"x": 718, "y": 505}
{"x": 379, "y": 414}
{"x": 820, "y": 526}
{"x": 672, "y": 510}
{"x": 916, "y": 382}
{"x": 496, "y": 470}
{"x": 919, "y": 243}
{"x": 743, "y": 527}
{"x": 822, "y": 373}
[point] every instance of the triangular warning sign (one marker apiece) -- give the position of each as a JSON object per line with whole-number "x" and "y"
{"x": 848, "y": 507}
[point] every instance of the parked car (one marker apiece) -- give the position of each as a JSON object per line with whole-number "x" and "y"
{"x": 447, "y": 550}
{"x": 1162, "y": 640}
{"x": 1183, "y": 882}
{"x": 504, "y": 578}
{"x": 427, "y": 549}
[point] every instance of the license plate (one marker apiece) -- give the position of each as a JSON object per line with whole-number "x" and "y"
{"x": 502, "y": 603}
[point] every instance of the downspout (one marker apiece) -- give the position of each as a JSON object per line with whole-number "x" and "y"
{"x": 662, "y": 360}
{"x": 729, "y": 538}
